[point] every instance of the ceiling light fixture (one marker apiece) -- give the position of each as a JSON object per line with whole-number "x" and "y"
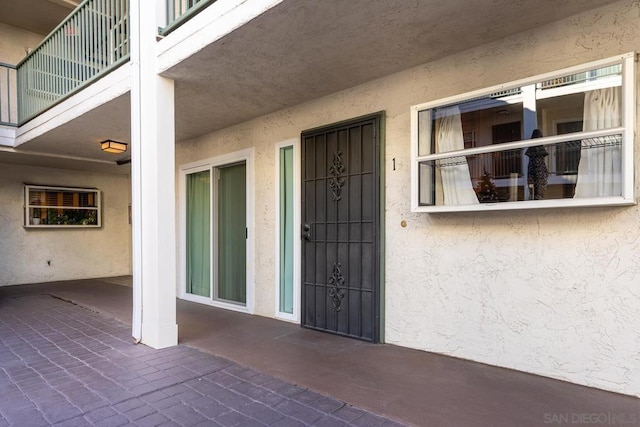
{"x": 115, "y": 147}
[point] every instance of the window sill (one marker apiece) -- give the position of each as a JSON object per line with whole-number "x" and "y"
{"x": 529, "y": 204}
{"x": 59, "y": 226}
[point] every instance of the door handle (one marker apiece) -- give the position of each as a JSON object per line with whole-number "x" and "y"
{"x": 306, "y": 232}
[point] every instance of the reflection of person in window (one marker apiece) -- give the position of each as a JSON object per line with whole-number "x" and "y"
{"x": 537, "y": 173}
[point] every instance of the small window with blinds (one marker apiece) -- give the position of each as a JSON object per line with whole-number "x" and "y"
{"x": 61, "y": 207}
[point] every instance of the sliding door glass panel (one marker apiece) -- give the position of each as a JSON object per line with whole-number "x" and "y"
{"x": 199, "y": 233}
{"x": 286, "y": 230}
{"x": 232, "y": 248}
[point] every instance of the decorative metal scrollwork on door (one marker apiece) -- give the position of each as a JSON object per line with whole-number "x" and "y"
{"x": 336, "y": 183}
{"x": 336, "y": 281}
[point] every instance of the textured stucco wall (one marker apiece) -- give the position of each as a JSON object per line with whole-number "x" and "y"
{"x": 74, "y": 254}
{"x": 552, "y": 292}
{"x": 14, "y": 43}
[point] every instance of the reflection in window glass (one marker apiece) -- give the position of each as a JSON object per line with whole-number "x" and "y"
{"x": 580, "y": 166}
{"x": 480, "y": 119}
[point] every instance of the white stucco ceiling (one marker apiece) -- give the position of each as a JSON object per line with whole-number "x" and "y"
{"x": 38, "y": 16}
{"x": 304, "y": 49}
{"x": 79, "y": 141}
{"x": 30, "y": 159}
{"x": 81, "y": 136}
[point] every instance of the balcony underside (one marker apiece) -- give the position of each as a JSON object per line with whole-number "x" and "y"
{"x": 68, "y": 136}
{"x": 300, "y": 50}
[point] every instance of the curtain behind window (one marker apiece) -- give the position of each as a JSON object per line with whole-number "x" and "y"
{"x": 199, "y": 233}
{"x": 599, "y": 167}
{"x": 232, "y": 243}
{"x": 456, "y": 180}
{"x": 286, "y": 230}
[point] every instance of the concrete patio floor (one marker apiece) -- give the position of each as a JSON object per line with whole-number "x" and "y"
{"x": 65, "y": 365}
{"x": 408, "y": 386}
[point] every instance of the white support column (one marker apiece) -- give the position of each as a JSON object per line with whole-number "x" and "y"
{"x": 153, "y": 186}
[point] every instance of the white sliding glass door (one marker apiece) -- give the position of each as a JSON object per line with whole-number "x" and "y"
{"x": 231, "y": 232}
{"x": 217, "y": 248}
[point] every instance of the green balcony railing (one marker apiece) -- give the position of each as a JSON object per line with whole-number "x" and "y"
{"x": 8, "y": 95}
{"x": 92, "y": 41}
{"x": 179, "y": 11}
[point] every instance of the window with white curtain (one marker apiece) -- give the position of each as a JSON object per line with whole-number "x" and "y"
{"x": 559, "y": 139}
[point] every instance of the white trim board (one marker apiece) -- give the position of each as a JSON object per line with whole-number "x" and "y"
{"x": 297, "y": 250}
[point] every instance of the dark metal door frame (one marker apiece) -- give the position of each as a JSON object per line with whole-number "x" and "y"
{"x": 336, "y": 179}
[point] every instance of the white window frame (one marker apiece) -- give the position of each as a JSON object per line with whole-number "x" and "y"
{"x": 28, "y": 221}
{"x": 627, "y": 130}
{"x": 247, "y": 156}
{"x": 295, "y": 316}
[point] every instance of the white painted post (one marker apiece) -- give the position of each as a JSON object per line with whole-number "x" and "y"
{"x": 153, "y": 186}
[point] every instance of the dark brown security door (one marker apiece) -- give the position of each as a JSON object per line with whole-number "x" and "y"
{"x": 340, "y": 250}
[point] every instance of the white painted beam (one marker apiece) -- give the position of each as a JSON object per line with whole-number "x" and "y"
{"x": 111, "y": 86}
{"x": 7, "y": 136}
{"x": 208, "y": 26}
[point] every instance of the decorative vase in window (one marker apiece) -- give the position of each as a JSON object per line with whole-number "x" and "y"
{"x": 37, "y": 212}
